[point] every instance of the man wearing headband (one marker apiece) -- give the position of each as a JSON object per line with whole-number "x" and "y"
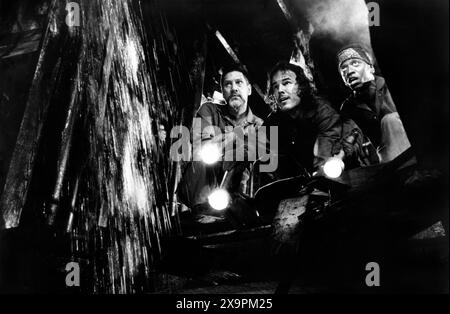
{"x": 370, "y": 104}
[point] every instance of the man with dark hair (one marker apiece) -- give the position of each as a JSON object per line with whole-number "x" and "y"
{"x": 217, "y": 126}
{"x": 310, "y": 130}
{"x": 370, "y": 104}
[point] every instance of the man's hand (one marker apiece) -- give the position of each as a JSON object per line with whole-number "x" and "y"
{"x": 340, "y": 155}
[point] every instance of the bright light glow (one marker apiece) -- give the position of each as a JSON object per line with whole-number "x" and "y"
{"x": 210, "y": 153}
{"x": 218, "y": 97}
{"x": 219, "y": 199}
{"x": 132, "y": 57}
{"x": 135, "y": 188}
{"x": 333, "y": 168}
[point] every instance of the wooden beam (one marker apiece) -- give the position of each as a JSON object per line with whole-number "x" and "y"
{"x": 28, "y": 42}
{"x": 20, "y": 170}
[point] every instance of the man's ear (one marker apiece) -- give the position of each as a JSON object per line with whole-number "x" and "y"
{"x": 249, "y": 89}
{"x": 341, "y": 74}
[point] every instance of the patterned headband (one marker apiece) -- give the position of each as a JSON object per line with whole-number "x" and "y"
{"x": 353, "y": 53}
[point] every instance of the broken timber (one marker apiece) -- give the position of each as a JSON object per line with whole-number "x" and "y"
{"x": 20, "y": 171}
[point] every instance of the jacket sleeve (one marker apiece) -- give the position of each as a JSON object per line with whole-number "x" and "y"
{"x": 203, "y": 122}
{"x": 352, "y": 139}
{"x": 329, "y": 131}
{"x": 384, "y": 102}
{"x": 205, "y": 129}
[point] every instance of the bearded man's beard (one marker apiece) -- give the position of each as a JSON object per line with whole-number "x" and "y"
{"x": 235, "y": 105}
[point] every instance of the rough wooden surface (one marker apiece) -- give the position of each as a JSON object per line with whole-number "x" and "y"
{"x": 21, "y": 166}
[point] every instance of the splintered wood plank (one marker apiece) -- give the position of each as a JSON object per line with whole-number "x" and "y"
{"x": 21, "y": 167}
{"x": 28, "y": 43}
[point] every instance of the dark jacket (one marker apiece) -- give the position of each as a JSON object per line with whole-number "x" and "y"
{"x": 199, "y": 179}
{"x": 212, "y": 114}
{"x": 315, "y": 119}
{"x": 368, "y": 106}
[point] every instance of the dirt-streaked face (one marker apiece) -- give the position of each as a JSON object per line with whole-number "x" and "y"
{"x": 355, "y": 72}
{"x": 236, "y": 89}
{"x": 285, "y": 89}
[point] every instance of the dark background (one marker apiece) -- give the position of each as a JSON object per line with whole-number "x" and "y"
{"x": 411, "y": 47}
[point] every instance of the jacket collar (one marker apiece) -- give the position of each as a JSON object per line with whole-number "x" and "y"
{"x": 366, "y": 92}
{"x": 249, "y": 119}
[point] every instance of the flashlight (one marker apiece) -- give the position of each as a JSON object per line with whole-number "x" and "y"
{"x": 210, "y": 153}
{"x": 333, "y": 167}
{"x": 219, "y": 199}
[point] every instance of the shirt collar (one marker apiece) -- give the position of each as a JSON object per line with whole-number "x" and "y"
{"x": 250, "y": 118}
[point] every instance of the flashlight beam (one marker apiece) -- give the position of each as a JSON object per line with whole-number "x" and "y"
{"x": 223, "y": 179}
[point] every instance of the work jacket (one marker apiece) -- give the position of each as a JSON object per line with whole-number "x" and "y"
{"x": 367, "y": 107}
{"x": 309, "y": 135}
{"x": 198, "y": 179}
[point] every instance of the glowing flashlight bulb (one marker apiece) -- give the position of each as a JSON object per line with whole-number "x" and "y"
{"x": 219, "y": 199}
{"x": 210, "y": 154}
{"x": 333, "y": 168}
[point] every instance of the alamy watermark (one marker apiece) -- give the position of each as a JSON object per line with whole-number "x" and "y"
{"x": 73, "y": 14}
{"x": 234, "y": 144}
{"x": 373, "y": 277}
{"x": 73, "y": 274}
{"x": 374, "y": 14}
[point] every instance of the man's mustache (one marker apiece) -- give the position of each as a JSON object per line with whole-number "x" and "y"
{"x": 282, "y": 98}
{"x": 236, "y": 95}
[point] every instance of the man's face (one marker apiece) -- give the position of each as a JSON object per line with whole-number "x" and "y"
{"x": 236, "y": 90}
{"x": 355, "y": 72}
{"x": 285, "y": 89}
